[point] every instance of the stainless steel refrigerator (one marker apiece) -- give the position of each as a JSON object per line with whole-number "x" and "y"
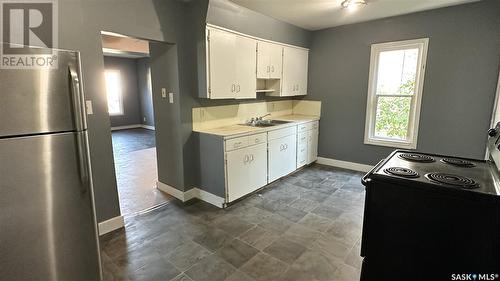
{"x": 47, "y": 219}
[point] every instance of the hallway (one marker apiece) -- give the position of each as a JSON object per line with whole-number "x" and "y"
{"x": 136, "y": 170}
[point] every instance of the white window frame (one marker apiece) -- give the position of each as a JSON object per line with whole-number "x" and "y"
{"x": 120, "y": 100}
{"x": 416, "y": 100}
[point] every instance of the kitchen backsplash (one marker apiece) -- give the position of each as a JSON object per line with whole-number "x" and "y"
{"x": 225, "y": 115}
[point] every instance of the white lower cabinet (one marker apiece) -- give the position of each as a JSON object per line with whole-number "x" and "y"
{"x": 282, "y": 156}
{"x": 246, "y": 170}
{"x": 232, "y": 167}
{"x": 307, "y": 143}
{"x": 312, "y": 145}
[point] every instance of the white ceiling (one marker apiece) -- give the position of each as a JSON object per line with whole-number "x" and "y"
{"x": 319, "y": 14}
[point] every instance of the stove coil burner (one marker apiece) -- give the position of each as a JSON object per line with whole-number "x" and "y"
{"x": 458, "y": 162}
{"x": 453, "y": 180}
{"x": 401, "y": 172}
{"x": 414, "y": 157}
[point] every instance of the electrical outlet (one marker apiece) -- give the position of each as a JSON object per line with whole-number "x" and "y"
{"x": 164, "y": 93}
{"x": 88, "y": 107}
{"x": 144, "y": 119}
{"x": 171, "y": 97}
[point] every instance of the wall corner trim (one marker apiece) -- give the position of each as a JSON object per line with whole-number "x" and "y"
{"x": 111, "y": 225}
{"x": 191, "y": 194}
{"x": 344, "y": 164}
{"x": 152, "y": 128}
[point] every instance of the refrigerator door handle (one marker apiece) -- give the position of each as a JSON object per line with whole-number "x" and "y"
{"x": 81, "y": 147}
{"x": 77, "y": 98}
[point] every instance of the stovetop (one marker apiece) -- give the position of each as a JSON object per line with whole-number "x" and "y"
{"x": 457, "y": 174}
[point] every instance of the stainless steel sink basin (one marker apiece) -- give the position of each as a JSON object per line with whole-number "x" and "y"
{"x": 267, "y": 123}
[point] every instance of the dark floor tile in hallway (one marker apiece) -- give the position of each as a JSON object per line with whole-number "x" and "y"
{"x": 267, "y": 236}
{"x": 136, "y": 170}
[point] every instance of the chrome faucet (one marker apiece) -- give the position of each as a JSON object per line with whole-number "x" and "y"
{"x": 260, "y": 118}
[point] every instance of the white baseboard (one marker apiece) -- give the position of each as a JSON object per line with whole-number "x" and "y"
{"x": 134, "y": 126}
{"x": 192, "y": 193}
{"x": 209, "y": 197}
{"x": 117, "y": 128}
{"x": 344, "y": 164}
{"x": 111, "y": 224}
{"x": 152, "y": 128}
{"x": 171, "y": 190}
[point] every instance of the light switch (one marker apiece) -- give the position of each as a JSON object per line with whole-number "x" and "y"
{"x": 164, "y": 93}
{"x": 171, "y": 97}
{"x": 88, "y": 107}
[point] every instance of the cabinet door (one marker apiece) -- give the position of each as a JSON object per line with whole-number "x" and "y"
{"x": 282, "y": 157}
{"x": 246, "y": 59}
{"x": 263, "y": 60}
{"x": 312, "y": 146}
{"x": 246, "y": 170}
{"x": 291, "y": 63}
{"x": 276, "y": 61}
{"x": 222, "y": 64}
{"x": 302, "y": 70}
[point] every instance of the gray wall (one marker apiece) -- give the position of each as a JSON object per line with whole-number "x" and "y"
{"x": 459, "y": 86}
{"x": 80, "y": 23}
{"x": 145, "y": 93}
{"x": 131, "y": 101}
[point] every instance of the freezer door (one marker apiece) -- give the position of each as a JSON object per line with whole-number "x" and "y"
{"x": 42, "y": 100}
{"x": 47, "y": 221}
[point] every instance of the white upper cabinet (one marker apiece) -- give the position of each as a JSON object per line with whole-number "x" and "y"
{"x": 221, "y": 64}
{"x": 295, "y": 63}
{"x": 269, "y": 60}
{"x": 235, "y": 61}
{"x": 246, "y": 56}
{"x": 231, "y": 65}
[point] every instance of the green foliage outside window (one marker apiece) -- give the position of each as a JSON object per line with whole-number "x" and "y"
{"x": 393, "y": 113}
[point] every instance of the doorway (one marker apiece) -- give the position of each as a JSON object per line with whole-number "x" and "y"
{"x": 130, "y": 106}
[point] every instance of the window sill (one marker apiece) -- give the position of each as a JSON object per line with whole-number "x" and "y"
{"x": 116, "y": 114}
{"x": 389, "y": 143}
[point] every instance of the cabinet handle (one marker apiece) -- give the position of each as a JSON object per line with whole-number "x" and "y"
{"x": 272, "y": 67}
{"x": 268, "y": 68}
{"x": 233, "y": 87}
{"x": 246, "y": 159}
{"x": 286, "y": 146}
{"x": 239, "y": 88}
{"x": 281, "y": 147}
{"x": 237, "y": 144}
{"x": 251, "y": 157}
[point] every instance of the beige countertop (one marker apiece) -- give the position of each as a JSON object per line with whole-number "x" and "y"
{"x": 240, "y": 130}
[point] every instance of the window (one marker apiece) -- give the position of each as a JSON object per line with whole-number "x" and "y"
{"x": 395, "y": 93}
{"x": 114, "y": 92}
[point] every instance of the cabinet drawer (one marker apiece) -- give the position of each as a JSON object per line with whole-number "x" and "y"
{"x": 272, "y": 135}
{"x": 311, "y": 125}
{"x": 302, "y": 138}
{"x": 256, "y": 139}
{"x": 302, "y": 127}
{"x": 302, "y": 155}
{"x": 236, "y": 143}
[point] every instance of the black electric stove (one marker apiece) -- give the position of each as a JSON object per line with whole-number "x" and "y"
{"x": 428, "y": 216}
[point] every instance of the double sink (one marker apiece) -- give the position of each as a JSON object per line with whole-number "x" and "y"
{"x": 266, "y": 123}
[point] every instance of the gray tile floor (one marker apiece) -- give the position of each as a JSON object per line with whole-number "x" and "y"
{"x": 136, "y": 170}
{"x": 304, "y": 227}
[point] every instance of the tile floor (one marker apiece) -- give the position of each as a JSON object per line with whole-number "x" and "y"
{"x": 136, "y": 170}
{"x": 304, "y": 227}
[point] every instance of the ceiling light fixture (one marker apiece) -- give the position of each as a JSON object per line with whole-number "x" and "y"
{"x": 352, "y": 3}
